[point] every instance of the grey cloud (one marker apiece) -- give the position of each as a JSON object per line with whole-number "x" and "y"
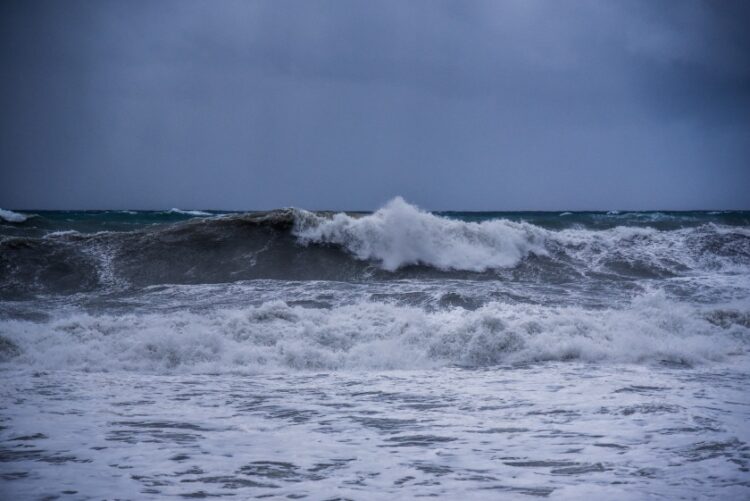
{"x": 325, "y": 104}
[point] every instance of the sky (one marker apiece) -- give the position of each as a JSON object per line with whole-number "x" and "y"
{"x": 454, "y": 105}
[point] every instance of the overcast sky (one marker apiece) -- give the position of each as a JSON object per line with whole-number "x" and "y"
{"x": 505, "y": 105}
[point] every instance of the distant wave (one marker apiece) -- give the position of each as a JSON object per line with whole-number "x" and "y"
{"x": 189, "y": 212}
{"x": 12, "y": 217}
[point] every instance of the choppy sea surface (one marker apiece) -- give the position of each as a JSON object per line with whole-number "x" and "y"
{"x": 394, "y": 354}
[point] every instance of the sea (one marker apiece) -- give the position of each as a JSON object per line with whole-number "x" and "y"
{"x": 395, "y": 354}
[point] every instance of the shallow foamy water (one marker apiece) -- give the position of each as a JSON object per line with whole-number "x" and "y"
{"x": 557, "y": 430}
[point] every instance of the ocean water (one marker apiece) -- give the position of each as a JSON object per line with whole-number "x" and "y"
{"x": 394, "y": 354}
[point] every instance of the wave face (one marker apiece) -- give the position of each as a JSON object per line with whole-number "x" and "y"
{"x": 397, "y": 288}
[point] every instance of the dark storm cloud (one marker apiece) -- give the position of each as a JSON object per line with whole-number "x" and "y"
{"x": 473, "y": 105}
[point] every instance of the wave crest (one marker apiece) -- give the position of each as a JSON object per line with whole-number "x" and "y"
{"x": 399, "y": 234}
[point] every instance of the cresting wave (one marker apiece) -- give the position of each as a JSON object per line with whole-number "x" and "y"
{"x": 400, "y": 235}
{"x": 375, "y": 335}
{"x": 396, "y": 242}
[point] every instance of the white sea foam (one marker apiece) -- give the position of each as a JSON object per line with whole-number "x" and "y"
{"x": 12, "y": 217}
{"x": 374, "y": 335}
{"x": 677, "y": 251}
{"x": 62, "y": 233}
{"x": 399, "y": 234}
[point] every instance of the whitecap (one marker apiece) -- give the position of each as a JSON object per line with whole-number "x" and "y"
{"x": 188, "y": 212}
{"x": 12, "y": 217}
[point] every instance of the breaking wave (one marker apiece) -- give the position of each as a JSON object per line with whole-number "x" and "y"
{"x": 396, "y": 242}
{"x": 400, "y": 235}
